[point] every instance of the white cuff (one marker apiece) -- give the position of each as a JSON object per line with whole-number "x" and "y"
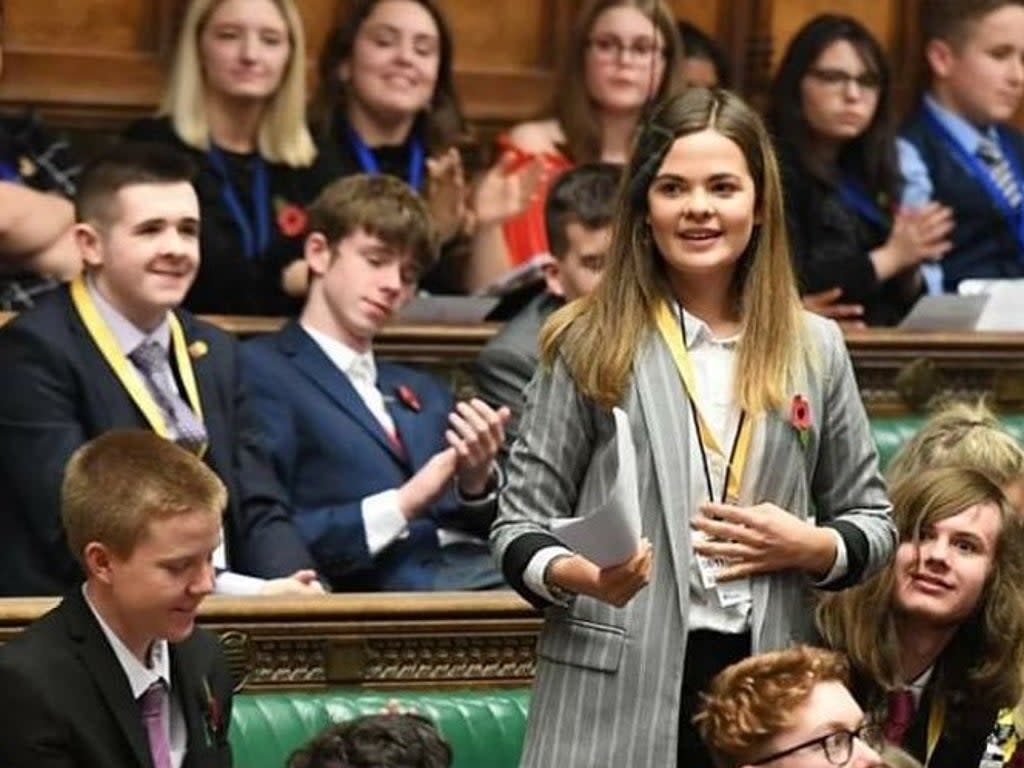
{"x": 841, "y": 564}
{"x": 499, "y": 482}
{"x": 533, "y": 576}
{"x": 383, "y": 521}
{"x": 237, "y": 584}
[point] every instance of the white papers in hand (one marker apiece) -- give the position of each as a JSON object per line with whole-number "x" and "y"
{"x": 607, "y": 529}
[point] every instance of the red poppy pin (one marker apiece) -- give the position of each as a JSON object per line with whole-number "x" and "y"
{"x": 800, "y": 418}
{"x": 291, "y": 220}
{"x": 213, "y": 715}
{"x": 408, "y": 398}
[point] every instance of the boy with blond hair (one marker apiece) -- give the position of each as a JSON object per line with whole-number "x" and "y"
{"x": 117, "y": 675}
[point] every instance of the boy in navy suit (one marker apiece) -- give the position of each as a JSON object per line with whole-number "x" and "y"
{"x": 959, "y": 149}
{"x": 117, "y": 675}
{"x": 392, "y": 486}
{"x": 113, "y": 351}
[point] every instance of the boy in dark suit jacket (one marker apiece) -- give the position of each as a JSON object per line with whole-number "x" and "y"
{"x": 368, "y": 451}
{"x": 959, "y": 148}
{"x": 113, "y": 351}
{"x": 117, "y": 675}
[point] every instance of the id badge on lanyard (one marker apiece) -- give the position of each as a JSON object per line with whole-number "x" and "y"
{"x": 736, "y": 591}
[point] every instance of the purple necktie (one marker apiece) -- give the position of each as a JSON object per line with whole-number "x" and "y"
{"x": 151, "y": 703}
{"x": 151, "y": 360}
{"x": 900, "y": 716}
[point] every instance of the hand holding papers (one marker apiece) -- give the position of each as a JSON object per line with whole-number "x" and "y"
{"x": 607, "y": 530}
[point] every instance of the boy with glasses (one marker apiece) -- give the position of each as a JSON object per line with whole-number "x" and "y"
{"x": 787, "y": 709}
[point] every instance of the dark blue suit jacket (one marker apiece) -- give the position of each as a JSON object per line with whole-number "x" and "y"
{"x": 330, "y": 453}
{"x": 59, "y": 392}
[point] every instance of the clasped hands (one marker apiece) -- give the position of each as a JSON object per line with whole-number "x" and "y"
{"x": 475, "y": 435}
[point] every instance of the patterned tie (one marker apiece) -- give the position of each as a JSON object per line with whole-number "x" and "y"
{"x": 151, "y": 360}
{"x": 1002, "y": 174}
{"x": 900, "y": 716}
{"x": 151, "y": 704}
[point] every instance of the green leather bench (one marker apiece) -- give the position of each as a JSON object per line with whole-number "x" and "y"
{"x": 485, "y": 728}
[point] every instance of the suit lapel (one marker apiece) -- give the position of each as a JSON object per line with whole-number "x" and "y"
{"x": 419, "y": 447}
{"x": 115, "y": 408}
{"x": 186, "y": 684}
{"x": 311, "y": 361}
{"x": 98, "y": 658}
{"x": 663, "y": 402}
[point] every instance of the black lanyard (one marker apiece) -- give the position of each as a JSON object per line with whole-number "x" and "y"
{"x": 700, "y": 436}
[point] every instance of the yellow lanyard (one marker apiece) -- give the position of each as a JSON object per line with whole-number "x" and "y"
{"x": 936, "y": 722}
{"x": 668, "y": 327}
{"x": 125, "y": 371}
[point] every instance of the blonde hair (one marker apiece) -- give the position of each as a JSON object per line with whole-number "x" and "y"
{"x": 598, "y": 335}
{"x": 982, "y": 661}
{"x": 283, "y": 135}
{"x": 117, "y": 483}
{"x": 750, "y": 702}
{"x": 963, "y": 434}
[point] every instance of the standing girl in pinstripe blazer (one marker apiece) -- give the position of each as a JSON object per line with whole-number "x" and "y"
{"x": 757, "y": 476}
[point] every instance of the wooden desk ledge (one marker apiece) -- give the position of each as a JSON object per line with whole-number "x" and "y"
{"x": 374, "y": 640}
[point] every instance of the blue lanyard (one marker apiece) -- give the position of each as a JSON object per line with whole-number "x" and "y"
{"x": 8, "y": 172}
{"x": 368, "y": 161}
{"x": 255, "y": 240}
{"x": 855, "y": 196}
{"x": 980, "y": 172}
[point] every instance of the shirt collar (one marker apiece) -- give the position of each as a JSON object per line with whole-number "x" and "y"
{"x": 140, "y": 677}
{"x": 966, "y": 134}
{"x": 357, "y": 365}
{"x": 698, "y": 333}
{"x": 127, "y": 335}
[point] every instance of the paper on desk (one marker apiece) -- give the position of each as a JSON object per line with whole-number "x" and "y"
{"x": 607, "y": 529}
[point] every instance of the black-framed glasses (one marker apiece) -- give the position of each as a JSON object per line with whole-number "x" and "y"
{"x": 837, "y": 746}
{"x": 841, "y": 79}
{"x": 611, "y": 48}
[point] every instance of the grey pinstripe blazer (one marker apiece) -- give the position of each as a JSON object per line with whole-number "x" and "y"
{"x": 609, "y": 680}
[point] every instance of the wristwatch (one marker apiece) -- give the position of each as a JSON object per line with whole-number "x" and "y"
{"x": 561, "y": 595}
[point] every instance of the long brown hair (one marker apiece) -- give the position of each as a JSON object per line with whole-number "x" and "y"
{"x": 983, "y": 660}
{"x": 598, "y": 336}
{"x": 573, "y": 107}
{"x": 442, "y": 121}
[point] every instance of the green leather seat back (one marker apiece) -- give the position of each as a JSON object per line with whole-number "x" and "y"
{"x": 484, "y": 728}
{"x": 891, "y": 433}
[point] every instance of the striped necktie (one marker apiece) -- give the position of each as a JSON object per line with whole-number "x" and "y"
{"x": 1000, "y": 169}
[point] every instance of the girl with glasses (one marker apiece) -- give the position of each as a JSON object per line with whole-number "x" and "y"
{"x": 622, "y": 57}
{"x": 857, "y": 253}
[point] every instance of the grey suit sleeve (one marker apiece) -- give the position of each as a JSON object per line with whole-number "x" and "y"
{"x": 849, "y": 493}
{"x": 502, "y": 373}
{"x": 544, "y": 472}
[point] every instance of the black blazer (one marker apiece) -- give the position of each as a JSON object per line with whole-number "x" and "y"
{"x": 831, "y": 245}
{"x": 59, "y": 392}
{"x": 960, "y": 745}
{"x": 66, "y": 701}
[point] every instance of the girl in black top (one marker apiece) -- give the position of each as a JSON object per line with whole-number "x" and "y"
{"x": 857, "y": 252}
{"x": 235, "y": 102}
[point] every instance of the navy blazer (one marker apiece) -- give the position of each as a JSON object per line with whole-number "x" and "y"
{"x": 67, "y": 701}
{"x": 59, "y": 392}
{"x": 330, "y": 453}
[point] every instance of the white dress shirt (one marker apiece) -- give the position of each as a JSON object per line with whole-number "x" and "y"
{"x": 142, "y": 676}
